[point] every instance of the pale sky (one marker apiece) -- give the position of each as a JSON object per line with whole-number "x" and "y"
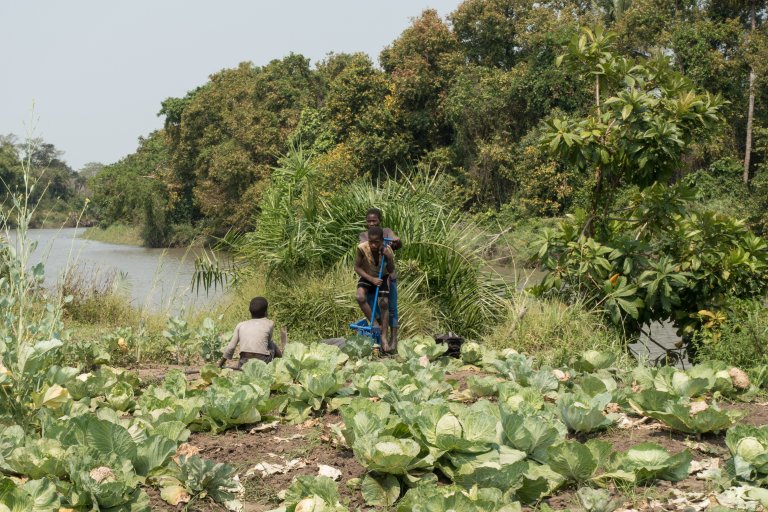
{"x": 97, "y": 70}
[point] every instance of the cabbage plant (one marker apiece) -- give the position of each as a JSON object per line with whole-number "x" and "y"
{"x": 530, "y": 432}
{"x": 593, "y": 360}
{"x": 749, "y": 448}
{"x": 431, "y": 498}
{"x": 313, "y": 494}
{"x": 678, "y": 414}
{"x": 309, "y": 375}
{"x": 419, "y": 346}
{"x": 584, "y": 414}
{"x": 581, "y": 463}
{"x": 649, "y": 462}
{"x": 453, "y": 428}
{"x": 471, "y": 352}
{"x": 483, "y": 386}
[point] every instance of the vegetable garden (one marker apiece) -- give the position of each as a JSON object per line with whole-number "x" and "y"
{"x": 456, "y": 140}
{"x": 419, "y": 431}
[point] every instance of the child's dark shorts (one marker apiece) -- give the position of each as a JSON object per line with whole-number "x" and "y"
{"x": 247, "y": 356}
{"x": 371, "y": 288}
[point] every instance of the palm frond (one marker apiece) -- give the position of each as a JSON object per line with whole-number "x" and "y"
{"x": 300, "y": 235}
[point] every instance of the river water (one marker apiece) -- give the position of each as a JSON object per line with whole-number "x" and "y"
{"x": 153, "y": 279}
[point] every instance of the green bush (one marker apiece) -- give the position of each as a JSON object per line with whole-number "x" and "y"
{"x": 183, "y": 235}
{"x": 758, "y": 205}
{"x": 740, "y": 341}
{"x": 719, "y": 187}
{"x": 300, "y": 236}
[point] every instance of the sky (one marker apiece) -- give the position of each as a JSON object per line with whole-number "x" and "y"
{"x": 88, "y": 75}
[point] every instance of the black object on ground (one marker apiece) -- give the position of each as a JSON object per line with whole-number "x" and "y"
{"x": 337, "y": 342}
{"x": 454, "y": 342}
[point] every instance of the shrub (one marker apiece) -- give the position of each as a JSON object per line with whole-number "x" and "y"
{"x": 300, "y": 235}
{"x": 182, "y": 235}
{"x": 97, "y": 298}
{"x": 740, "y": 341}
{"x": 552, "y": 330}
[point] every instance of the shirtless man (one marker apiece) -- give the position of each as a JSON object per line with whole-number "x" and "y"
{"x": 367, "y": 263}
{"x": 373, "y": 218}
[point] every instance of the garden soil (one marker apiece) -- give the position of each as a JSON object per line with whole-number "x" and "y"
{"x": 313, "y": 443}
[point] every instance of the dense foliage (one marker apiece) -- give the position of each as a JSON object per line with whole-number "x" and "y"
{"x": 58, "y": 191}
{"x": 303, "y": 239}
{"x": 650, "y": 255}
{"x": 462, "y": 96}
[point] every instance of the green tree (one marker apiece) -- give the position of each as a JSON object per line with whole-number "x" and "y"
{"x": 352, "y": 86}
{"x": 709, "y": 53}
{"x": 652, "y": 255}
{"x": 483, "y": 107}
{"x": 225, "y": 135}
{"x": 502, "y": 33}
{"x": 359, "y": 119}
{"x": 421, "y": 64}
{"x": 647, "y": 25}
{"x": 487, "y": 30}
{"x": 490, "y": 108}
{"x": 637, "y": 137}
{"x": 55, "y": 178}
{"x": 91, "y": 169}
{"x": 124, "y": 192}
{"x": 10, "y": 165}
{"x": 750, "y": 14}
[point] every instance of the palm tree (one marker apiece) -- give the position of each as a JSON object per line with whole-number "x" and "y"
{"x": 300, "y": 234}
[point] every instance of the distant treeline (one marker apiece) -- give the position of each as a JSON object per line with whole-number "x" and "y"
{"x": 56, "y": 190}
{"x": 463, "y": 96}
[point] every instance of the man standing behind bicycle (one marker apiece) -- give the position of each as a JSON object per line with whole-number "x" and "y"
{"x": 368, "y": 263}
{"x": 373, "y": 218}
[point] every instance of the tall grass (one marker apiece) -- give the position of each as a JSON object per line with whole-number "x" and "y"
{"x": 301, "y": 235}
{"x": 115, "y": 234}
{"x": 554, "y": 331}
{"x": 24, "y": 320}
{"x": 97, "y": 298}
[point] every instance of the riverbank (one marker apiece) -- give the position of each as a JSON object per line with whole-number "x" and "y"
{"x": 114, "y": 234}
{"x": 181, "y": 237}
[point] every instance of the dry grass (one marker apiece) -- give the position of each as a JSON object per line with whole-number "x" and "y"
{"x": 552, "y": 331}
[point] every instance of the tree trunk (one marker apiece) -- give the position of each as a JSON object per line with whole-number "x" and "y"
{"x": 750, "y": 115}
{"x": 597, "y": 190}
{"x": 597, "y": 94}
{"x": 750, "y": 108}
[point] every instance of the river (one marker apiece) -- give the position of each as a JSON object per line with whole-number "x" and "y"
{"x": 153, "y": 279}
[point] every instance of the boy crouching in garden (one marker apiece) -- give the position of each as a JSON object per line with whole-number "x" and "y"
{"x": 254, "y": 336}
